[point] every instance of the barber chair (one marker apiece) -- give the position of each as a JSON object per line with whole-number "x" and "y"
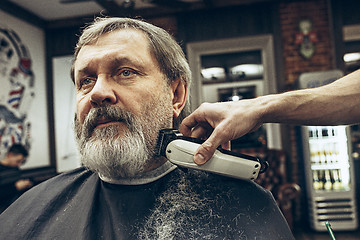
{"x": 275, "y": 179}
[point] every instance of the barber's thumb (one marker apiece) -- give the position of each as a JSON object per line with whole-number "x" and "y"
{"x": 204, "y": 153}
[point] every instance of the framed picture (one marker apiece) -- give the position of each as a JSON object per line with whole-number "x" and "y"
{"x": 67, "y": 157}
{"x": 23, "y": 93}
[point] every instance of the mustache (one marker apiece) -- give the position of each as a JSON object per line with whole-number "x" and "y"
{"x": 103, "y": 114}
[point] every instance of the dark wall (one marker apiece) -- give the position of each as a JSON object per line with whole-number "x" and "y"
{"x": 61, "y": 42}
{"x": 226, "y": 22}
{"x": 350, "y": 11}
{"x": 192, "y": 26}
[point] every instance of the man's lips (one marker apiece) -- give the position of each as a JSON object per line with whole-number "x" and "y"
{"x": 106, "y": 122}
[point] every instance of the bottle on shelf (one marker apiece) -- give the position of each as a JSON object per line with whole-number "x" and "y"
{"x": 324, "y": 132}
{"x": 327, "y": 180}
{"x": 337, "y": 185}
{"x": 322, "y": 153}
{"x": 311, "y": 133}
{"x": 328, "y": 153}
{"x": 317, "y": 182}
{"x": 319, "y": 133}
{"x": 336, "y": 153}
{"x": 333, "y": 132}
{"x": 315, "y": 154}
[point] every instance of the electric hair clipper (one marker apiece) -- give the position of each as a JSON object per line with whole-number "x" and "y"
{"x": 180, "y": 151}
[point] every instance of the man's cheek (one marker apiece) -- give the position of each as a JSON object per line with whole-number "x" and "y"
{"x": 82, "y": 108}
{"x": 81, "y": 115}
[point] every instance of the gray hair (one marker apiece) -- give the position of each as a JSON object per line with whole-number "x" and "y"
{"x": 165, "y": 49}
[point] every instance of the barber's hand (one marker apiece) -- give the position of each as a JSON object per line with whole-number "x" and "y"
{"x": 219, "y": 123}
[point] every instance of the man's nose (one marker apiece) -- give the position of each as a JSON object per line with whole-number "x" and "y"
{"x": 103, "y": 92}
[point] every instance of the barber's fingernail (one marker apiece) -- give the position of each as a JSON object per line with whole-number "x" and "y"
{"x": 199, "y": 159}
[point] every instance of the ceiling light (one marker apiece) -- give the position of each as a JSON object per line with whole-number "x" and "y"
{"x": 351, "y": 57}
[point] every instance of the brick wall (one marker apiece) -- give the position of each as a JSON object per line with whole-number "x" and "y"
{"x": 294, "y": 63}
{"x": 290, "y": 14}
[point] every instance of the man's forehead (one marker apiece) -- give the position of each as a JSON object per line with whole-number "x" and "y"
{"x": 127, "y": 35}
{"x": 124, "y": 45}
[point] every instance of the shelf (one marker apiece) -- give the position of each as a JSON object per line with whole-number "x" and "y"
{"x": 329, "y": 166}
{"x": 325, "y": 140}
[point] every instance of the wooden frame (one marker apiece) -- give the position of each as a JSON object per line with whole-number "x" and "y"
{"x": 24, "y": 90}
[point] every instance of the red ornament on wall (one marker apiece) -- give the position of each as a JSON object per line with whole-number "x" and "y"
{"x": 306, "y": 39}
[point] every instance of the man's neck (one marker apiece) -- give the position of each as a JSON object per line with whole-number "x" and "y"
{"x": 156, "y": 163}
{"x": 144, "y": 178}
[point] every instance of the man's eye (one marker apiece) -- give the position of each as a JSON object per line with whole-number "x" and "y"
{"x": 87, "y": 81}
{"x": 126, "y": 72}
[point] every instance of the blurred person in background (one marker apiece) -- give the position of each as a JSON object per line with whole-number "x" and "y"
{"x": 11, "y": 184}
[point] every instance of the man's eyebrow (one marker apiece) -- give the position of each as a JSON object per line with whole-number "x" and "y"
{"x": 115, "y": 63}
{"x": 84, "y": 70}
{"x": 120, "y": 61}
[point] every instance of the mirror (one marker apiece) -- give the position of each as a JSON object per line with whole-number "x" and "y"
{"x": 231, "y": 70}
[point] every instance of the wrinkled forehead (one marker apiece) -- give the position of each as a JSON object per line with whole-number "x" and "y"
{"x": 133, "y": 42}
{"x": 132, "y": 33}
{"x": 127, "y": 44}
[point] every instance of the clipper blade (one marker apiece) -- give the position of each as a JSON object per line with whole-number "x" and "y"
{"x": 164, "y": 138}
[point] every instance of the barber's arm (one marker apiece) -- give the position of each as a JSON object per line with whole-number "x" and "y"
{"x": 333, "y": 104}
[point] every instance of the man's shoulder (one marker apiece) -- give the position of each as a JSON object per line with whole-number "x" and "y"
{"x": 74, "y": 173}
{"x": 48, "y": 200}
{"x": 71, "y": 177}
{"x": 59, "y": 184}
{"x": 5, "y": 167}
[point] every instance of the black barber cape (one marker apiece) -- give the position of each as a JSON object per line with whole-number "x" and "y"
{"x": 171, "y": 204}
{"x": 8, "y": 192}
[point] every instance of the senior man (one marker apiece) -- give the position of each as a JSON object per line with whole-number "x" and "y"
{"x": 131, "y": 81}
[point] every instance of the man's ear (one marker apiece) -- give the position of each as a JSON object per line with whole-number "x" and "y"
{"x": 180, "y": 92}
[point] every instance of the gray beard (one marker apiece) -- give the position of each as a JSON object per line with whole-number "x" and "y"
{"x": 170, "y": 218}
{"x": 185, "y": 211}
{"x": 116, "y": 153}
{"x": 102, "y": 153}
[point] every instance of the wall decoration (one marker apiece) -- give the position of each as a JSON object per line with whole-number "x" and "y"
{"x": 17, "y": 90}
{"x": 23, "y": 104}
{"x": 306, "y": 38}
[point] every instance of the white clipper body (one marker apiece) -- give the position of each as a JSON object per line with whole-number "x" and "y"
{"x": 181, "y": 152}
